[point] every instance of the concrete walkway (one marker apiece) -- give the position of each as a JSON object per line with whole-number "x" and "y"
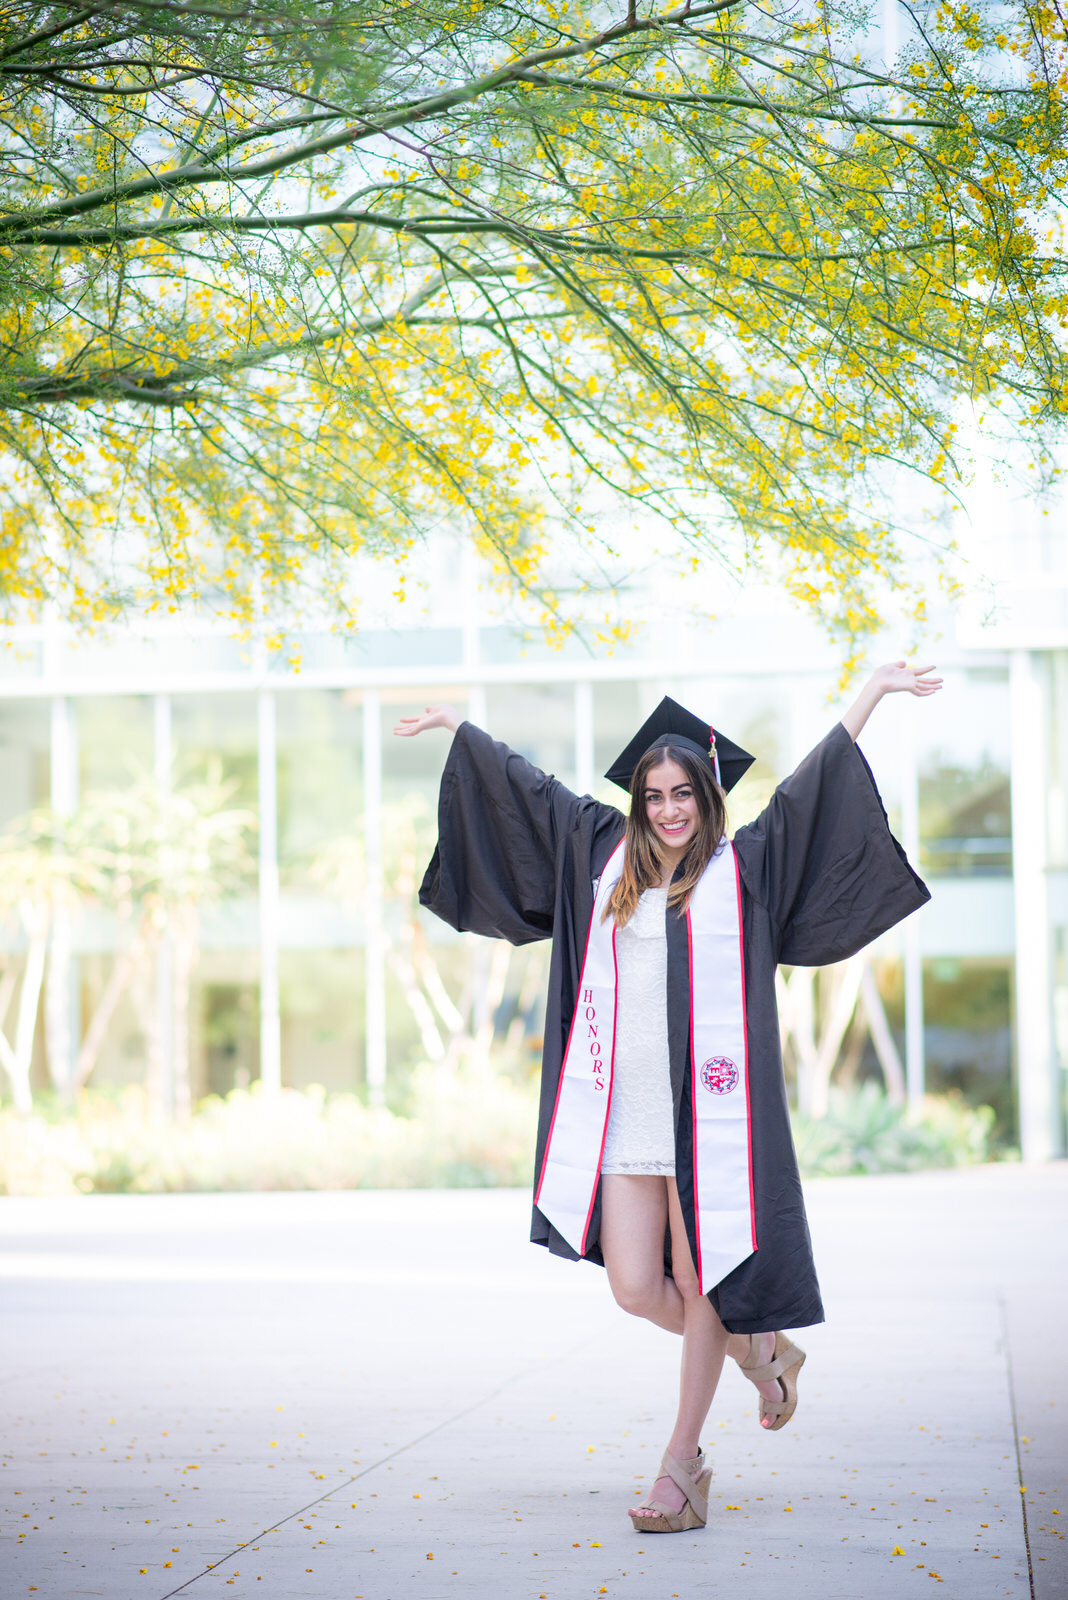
{"x": 394, "y": 1397}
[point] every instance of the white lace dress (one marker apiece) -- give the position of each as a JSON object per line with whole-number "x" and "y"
{"x": 641, "y": 1123}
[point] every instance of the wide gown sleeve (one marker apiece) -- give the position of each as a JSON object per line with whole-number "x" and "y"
{"x": 822, "y": 860}
{"x": 500, "y": 824}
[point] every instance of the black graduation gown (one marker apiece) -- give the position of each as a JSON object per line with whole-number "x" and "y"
{"x": 518, "y": 858}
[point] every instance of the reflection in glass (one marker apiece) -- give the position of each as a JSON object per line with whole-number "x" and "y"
{"x": 965, "y": 796}
{"x": 965, "y": 820}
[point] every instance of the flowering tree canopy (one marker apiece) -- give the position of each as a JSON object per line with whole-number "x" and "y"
{"x": 280, "y": 282}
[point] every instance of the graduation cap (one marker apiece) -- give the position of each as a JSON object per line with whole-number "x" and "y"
{"x": 672, "y": 724}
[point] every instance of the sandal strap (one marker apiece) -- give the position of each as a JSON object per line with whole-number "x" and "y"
{"x": 671, "y": 1467}
{"x": 659, "y": 1507}
{"x": 772, "y": 1369}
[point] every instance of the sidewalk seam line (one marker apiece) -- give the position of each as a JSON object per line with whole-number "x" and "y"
{"x": 411, "y": 1443}
{"x": 1003, "y": 1308}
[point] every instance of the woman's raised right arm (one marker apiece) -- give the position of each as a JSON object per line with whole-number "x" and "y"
{"x": 432, "y": 717}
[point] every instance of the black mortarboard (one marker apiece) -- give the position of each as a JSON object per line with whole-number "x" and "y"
{"x": 671, "y": 723}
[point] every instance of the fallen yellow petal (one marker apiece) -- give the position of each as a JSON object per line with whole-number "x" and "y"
{"x": 897, "y": 1551}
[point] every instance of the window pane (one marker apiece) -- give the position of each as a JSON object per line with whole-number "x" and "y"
{"x": 24, "y": 750}
{"x": 537, "y": 720}
{"x": 320, "y": 782}
{"x": 965, "y": 811}
{"x": 115, "y": 740}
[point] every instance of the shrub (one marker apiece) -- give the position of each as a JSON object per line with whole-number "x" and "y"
{"x": 862, "y": 1132}
{"x": 469, "y": 1131}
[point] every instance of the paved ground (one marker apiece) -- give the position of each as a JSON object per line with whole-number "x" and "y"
{"x": 394, "y": 1397}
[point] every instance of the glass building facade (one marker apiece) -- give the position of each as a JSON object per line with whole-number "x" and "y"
{"x": 316, "y": 968}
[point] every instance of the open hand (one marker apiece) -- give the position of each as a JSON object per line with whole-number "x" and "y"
{"x": 897, "y": 677}
{"x": 432, "y": 717}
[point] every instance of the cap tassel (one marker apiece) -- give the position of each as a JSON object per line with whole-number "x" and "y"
{"x": 715, "y": 760}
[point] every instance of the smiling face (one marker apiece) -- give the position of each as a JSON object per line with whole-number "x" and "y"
{"x": 671, "y": 809}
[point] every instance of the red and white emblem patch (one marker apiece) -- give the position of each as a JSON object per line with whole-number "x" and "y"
{"x": 719, "y": 1075}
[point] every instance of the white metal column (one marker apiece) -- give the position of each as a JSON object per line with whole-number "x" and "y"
{"x": 584, "y": 747}
{"x": 373, "y": 922}
{"x": 163, "y": 766}
{"x": 915, "y": 1057}
{"x": 476, "y": 705}
{"x": 270, "y": 1012}
{"x": 1035, "y": 1065}
{"x": 61, "y": 997}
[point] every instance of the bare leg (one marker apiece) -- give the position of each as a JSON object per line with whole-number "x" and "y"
{"x": 704, "y": 1345}
{"x": 635, "y": 1214}
{"x": 634, "y": 1219}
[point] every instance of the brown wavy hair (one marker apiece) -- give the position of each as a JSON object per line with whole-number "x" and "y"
{"x": 642, "y": 866}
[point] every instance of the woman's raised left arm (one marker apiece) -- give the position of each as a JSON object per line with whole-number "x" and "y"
{"x": 892, "y": 679}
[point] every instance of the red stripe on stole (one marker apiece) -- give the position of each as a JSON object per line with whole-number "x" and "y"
{"x": 611, "y": 1081}
{"x": 745, "y": 1039}
{"x": 563, "y": 1058}
{"x": 693, "y": 1108}
{"x": 567, "y": 1046}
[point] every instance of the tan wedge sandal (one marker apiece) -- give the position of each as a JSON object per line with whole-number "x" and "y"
{"x": 784, "y": 1365}
{"x": 694, "y": 1513}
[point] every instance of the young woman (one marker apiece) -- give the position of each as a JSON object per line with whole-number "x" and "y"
{"x": 664, "y": 1149}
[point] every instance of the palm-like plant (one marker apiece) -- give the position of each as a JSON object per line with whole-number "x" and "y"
{"x": 152, "y": 854}
{"x": 159, "y": 853}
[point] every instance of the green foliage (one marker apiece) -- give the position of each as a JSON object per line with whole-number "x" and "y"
{"x": 467, "y": 1130}
{"x": 279, "y": 284}
{"x": 862, "y": 1133}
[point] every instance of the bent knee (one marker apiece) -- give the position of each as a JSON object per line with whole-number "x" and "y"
{"x": 686, "y": 1282}
{"x": 637, "y": 1296}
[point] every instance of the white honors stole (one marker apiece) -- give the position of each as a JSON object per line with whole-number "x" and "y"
{"x": 719, "y": 1087}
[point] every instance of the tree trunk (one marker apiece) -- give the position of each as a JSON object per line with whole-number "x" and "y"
{"x": 430, "y": 977}
{"x": 850, "y": 1061}
{"x": 59, "y": 1042}
{"x": 143, "y": 990}
{"x": 7, "y": 989}
{"x": 845, "y": 985}
{"x": 529, "y": 989}
{"x": 489, "y": 1004}
{"x": 18, "y": 1059}
{"x": 122, "y": 972}
{"x": 799, "y": 1019}
{"x": 883, "y": 1039}
{"x": 405, "y": 974}
{"x": 185, "y": 958}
